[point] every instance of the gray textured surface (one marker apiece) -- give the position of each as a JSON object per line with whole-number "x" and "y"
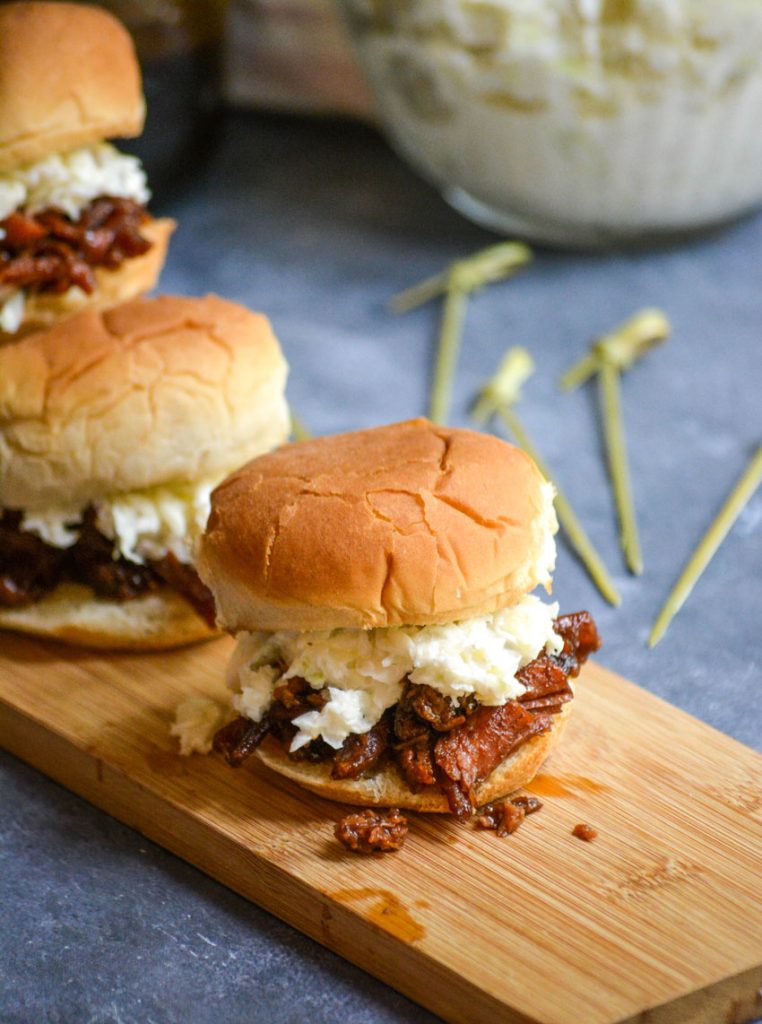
{"x": 318, "y": 225}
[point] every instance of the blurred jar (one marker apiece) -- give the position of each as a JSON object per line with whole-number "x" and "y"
{"x": 579, "y": 122}
{"x": 179, "y": 45}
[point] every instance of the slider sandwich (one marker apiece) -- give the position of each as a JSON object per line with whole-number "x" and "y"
{"x": 115, "y": 426}
{"x": 390, "y": 649}
{"x": 74, "y": 228}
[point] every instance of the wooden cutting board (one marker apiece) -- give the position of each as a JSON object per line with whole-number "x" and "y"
{"x": 658, "y": 920}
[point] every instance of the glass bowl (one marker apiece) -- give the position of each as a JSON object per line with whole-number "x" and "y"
{"x": 577, "y": 122}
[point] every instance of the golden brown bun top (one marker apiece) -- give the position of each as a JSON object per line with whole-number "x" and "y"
{"x": 68, "y": 77}
{"x": 404, "y": 524}
{"x": 150, "y": 392}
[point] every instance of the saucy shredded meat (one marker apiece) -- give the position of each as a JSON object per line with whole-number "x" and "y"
{"x": 433, "y": 740}
{"x": 30, "y": 568}
{"x": 185, "y": 581}
{"x": 414, "y": 743}
{"x": 581, "y": 639}
{"x": 466, "y": 756}
{"x": 91, "y": 561}
{"x": 373, "y": 831}
{"x": 48, "y": 251}
{"x": 433, "y": 707}
{"x": 546, "y": 683}
{"x": 362, "y": 752}
{"x": 239, "y": 739}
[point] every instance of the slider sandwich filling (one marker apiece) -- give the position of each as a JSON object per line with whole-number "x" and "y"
{"x": 122, "y": 548}
{"x": 446, "y": 704}
{"x": 390, "y": 649}
{"x": 64, "y": 216}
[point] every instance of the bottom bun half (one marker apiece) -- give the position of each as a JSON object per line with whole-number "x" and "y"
{"x": 387, "y": 787}
{"x": 73, "y": 615}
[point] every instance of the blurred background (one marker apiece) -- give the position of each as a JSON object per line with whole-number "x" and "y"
{"x": 199, "y": 55}
{"x": 580, "y": 125}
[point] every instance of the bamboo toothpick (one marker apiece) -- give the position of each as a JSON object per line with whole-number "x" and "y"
{"x": 456, "y": 283}
{"x": 453, "y": 318}
{"x": 717, "y": 532}
{"x": 498, "y": 397}
{"x": 622, "y": 347}
{"x": 482, "y": 268}
{"x": 610, "y": 356}
{"x": 298, "y": 430}
{"x": 504, "y": 388}
{"x": 616, "y": 450}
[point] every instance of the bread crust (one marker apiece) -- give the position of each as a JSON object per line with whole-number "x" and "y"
{"x": 68, "y": 77}
{"x": 154, "y": 391}
{"x": 406, "y": 524}
{"x": 132, "y": 278}
{"x": 387, "y": 787}
{"x": 72, "y": 614}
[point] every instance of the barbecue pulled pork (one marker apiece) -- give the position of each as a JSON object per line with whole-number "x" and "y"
{"x": 49, "y": 252}
{"x": 433, "y": 741}
{"x": 30, "y": 568}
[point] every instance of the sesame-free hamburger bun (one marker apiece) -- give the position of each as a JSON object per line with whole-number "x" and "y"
{"x": 68, "y": 77}
{"x": 408, "y": 524}
{"x": 141, "y": 407}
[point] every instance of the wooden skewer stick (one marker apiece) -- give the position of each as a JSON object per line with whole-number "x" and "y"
{"x": 497, "y": 398}
{"x": 453, "y": 318}
{"x": 616, "y": 449}
{"x": 482, "y": 268}
{"x": 456, "y": 283}
{"x": 623, "y": 347}
{"x": 717, "y": 532}
{"x": 298, "y": 430}
{"x": 608, "y": 358}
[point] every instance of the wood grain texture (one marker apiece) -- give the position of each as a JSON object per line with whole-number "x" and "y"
{"x": 658, "y": 920}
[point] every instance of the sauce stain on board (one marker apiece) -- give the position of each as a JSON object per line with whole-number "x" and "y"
{"x": 386, "y": 910}
{"x": 166, "y": 762}
{"x": 565, "y": 785}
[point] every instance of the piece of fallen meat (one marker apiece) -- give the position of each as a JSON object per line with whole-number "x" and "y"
{"x": 468, "y": 754}
{"x": 530, "y": 804}
{"x": 373, "y": 831}
{"x": 503, "y": 817}
{"x": 584, "y": 832}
